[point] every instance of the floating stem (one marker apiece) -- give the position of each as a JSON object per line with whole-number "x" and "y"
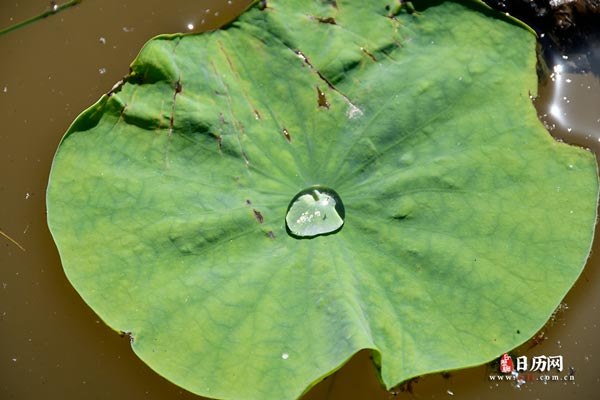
{"x": 12, "y": 240}
{"x": 54, "y": 8}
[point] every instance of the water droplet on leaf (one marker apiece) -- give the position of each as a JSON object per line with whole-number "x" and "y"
{"x": 313, "y": 212}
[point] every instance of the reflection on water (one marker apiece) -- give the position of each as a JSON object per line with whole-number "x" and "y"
{"x": 52, "y": 346}
{"x": 569, "y": 105}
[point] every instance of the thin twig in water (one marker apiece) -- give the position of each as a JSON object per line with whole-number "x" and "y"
{"x": 54, "y": 8}
{"x": 12, "y": 240}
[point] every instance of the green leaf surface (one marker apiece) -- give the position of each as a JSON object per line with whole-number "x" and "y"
{"x": 465, "y": 222}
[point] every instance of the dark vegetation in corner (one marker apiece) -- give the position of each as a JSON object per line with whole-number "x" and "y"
{"x": 570, "y": 28}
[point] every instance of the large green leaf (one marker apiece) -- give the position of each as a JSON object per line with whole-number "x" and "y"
{"x": 463, "y": 223}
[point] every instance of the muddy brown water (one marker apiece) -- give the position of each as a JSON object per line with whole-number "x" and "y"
{"x": 53, "y": 346}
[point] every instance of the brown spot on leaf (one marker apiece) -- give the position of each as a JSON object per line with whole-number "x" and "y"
{"x": 259, "y": 217}
{"x": 271, "y": 235}
{"x": 354, "y": 111}
{"x": 286, "y": 133}
{"x": 326, "y": 20}
{"x": 321, "y": 99}
{"x": 370, "y": 55}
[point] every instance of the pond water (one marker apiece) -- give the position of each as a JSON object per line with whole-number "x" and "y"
{"x": 53, "y": 346}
